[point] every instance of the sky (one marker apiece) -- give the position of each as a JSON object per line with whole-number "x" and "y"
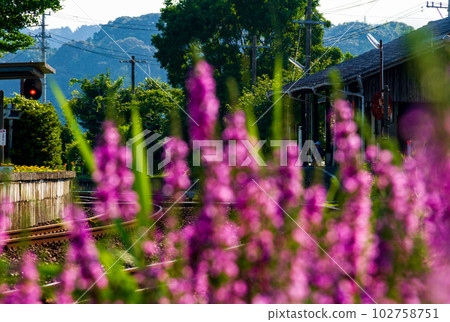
{"x": 412, "y": 12}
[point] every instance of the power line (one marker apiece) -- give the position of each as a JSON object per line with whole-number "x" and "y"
{"x": 439, "y": 6}
{"x": 343, "y": 5}
{"x": 383, "y": 17}
{"x": 109, "y": 49}
{"x": 109, "y": 25}
{"x": 117, "y": 24}
{"x": 96, "y": 52}
{"x": 347, "y": 7}
{"x": 43, "y": 39}
{"x": 168, "y": 94}
{"x": 87, "y": 50}
{"x": 365, "y": 29}
{"x": 15, "y": 56}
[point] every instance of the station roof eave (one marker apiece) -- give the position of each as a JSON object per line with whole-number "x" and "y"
{"x": 25, "y": 70}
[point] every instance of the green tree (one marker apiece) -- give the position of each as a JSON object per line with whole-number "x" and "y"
{"x": 156, "y": 100}
{"x": 256, "y": 100}
{"x": 219, "y": 28}
{"x": 15, "y": 16}
{"x": 70, "y": 152}
{"x": 100, "y": 97}
{"x": 37, "y": 134}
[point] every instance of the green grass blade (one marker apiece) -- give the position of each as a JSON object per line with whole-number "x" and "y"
{"x": 142, "y": 180}
{"x": 83, "y": 146}
{"x": 277, "y": 123}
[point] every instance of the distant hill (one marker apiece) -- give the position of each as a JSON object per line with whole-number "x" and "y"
{"x": 355, "y": 39}
{"x": 93, "y": 52}
{"x": 64, "y": 34}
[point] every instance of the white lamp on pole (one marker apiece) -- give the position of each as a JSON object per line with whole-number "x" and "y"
{"x": 378, "y": 45}
{"x": 296, "y": 63}
{"x": 383, "y": 88}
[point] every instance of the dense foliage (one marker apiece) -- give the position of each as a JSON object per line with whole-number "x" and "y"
{"x": 97, "y": 96}
{"x": 257, "y": 101}
{"x": 36, "y": 136}
{"x": 220, "y": 29}
{"x": 100, "y": 98}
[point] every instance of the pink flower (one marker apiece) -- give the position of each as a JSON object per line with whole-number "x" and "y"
{"x": 203, "y": 106}
{"x": 82, "y": 268}
{"x": 176, "y": 172}
{"x": 28, "y": 290}
{"x": 114, "y": 180}
{"x": 6, "y": 209}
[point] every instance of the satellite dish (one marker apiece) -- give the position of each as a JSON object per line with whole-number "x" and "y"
{"x": 373, "y": 41}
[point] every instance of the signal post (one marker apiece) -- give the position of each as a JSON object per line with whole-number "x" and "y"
{"x": 30, "y": 75}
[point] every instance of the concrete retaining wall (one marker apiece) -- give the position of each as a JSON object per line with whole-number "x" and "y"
{"x": 37, "y": 196}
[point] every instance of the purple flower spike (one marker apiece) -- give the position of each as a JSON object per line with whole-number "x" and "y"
{"x": 6, "y": 209}
{"x": 290, "y": 180}
{"x": 82, "y": 268}
{"x": 208, "y": 238}
{"x": 203, "y": 104}
{"x": 114, "y": 180}
{"x": 353, "y": 238}
{"x": 28, "y": 291}
{"x": 176, "y": 179}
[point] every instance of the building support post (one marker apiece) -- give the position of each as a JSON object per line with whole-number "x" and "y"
{"x": 328, "y": 138}
{"x": 2, "y": 125}
{"x": 315, "y": 114}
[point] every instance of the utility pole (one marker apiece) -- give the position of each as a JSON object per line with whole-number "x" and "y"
{"x": 308, "y": 39}
{"x": 308, "y": 111}
{"x": 2, "y": 126}
{"x": 308, "y": 23}
{"x": 254, "y": 47}
{"x": 438, "y": 5}
{"x": 43, "y": 49}
{"x": 133, "y": 62}
{"x": 385, "y": 95}
{"x": 44, "y": 57}
{"x": 253, "y": 60}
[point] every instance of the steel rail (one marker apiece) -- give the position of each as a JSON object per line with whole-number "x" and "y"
{"x": 48, "y": 234}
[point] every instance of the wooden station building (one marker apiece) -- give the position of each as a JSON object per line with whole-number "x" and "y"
{"x": 361, "y": 82}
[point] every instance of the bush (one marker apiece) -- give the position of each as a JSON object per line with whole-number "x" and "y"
{"x": 37, "y": 134}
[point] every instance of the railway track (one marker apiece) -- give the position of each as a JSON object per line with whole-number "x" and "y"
{"x": 49, "y": 234}
{"x": 54, "y": 233}
{"x": 57, "y": 232}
